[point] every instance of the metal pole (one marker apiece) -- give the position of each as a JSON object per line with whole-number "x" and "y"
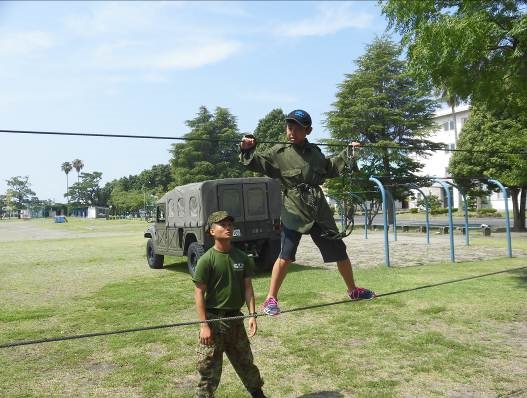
{"x": 427, "y": 216}
{"x": 385, "y": 216}
{"x": 467, "y": 239}
{"x": 365, "y": 222}
{"x": 450, "y": 223}
{"x": 364, "y": 208}
{"x": 394, "y": 216}
{"x": 507, "y": 219}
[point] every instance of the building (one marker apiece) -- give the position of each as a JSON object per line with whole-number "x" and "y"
{"x": 449, "y": 127}
{"x": 90, "y": 212}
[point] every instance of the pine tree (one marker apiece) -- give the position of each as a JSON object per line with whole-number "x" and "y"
{"x": 380, "y": 105}
{"x": 213, "y": 153}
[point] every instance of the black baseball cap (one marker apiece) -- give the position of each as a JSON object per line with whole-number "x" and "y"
{"x": 299, "y": 116}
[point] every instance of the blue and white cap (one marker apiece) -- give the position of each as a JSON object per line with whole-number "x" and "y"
{"x": 299, "y": 116}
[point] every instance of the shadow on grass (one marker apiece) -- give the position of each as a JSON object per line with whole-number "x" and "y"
{"x": 322, "y": 394}
{"x": 521, "y": 277}
{"x": 177, "y": 266}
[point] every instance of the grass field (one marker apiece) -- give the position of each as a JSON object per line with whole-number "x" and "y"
{"x": 463, "y": 339}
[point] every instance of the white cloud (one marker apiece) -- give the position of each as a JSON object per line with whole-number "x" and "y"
{"x": 25, "y": 43}
{"x": 153, "y": 36}
{"x": 195, "y": 57}
{"x": 329, "y": 19}
{"x": 118, "y": 18}
{"x": 139, "y": 55}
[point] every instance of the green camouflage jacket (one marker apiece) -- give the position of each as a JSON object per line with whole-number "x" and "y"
{"x": 301, "y": 170}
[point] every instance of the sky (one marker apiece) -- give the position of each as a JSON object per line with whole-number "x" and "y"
{"x": 144, "y": 68}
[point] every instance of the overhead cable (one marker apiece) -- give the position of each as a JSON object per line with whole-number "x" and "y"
{"x": 343, "y": 144}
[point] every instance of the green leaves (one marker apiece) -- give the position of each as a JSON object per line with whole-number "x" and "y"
{"x": 486, "y": 132}
{"x": 476, "y": 49}
{"x": 211, "y": 150}
{"x": 381, "y": 106}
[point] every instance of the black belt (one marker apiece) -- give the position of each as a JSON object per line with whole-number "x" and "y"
{"x": 223, "y": 313}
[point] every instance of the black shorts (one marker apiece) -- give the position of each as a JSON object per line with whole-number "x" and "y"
{"x": 332, "y": 250}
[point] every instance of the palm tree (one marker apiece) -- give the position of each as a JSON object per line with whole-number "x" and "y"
{"x": 452, "y": 100}
{"x": 77, "y": 165}
{"x": 66, "y": 168}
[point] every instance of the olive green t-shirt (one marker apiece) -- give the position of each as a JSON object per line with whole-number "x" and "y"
{"x": 224, "y": 274}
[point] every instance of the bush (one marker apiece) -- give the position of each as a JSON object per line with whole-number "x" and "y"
{"x": 440, "y": 210}
{"x": 487, "y": 211}
{"x": 414, "y": 210}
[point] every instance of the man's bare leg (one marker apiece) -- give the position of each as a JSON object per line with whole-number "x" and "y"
{"x": 278, "y": 276}
{"x": 346, "y": 271}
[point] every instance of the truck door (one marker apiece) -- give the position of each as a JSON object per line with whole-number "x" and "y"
{"x": 161, "y": 229}
{"x": 230, "y": 199}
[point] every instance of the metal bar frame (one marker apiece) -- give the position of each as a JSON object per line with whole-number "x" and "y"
{"x": 505, "y": 192}
{"x": 385, "y": 216}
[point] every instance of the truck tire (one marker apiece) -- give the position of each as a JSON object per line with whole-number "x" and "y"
{"x": 195, "y": 251}
{"x": 268, "y": 255}
{"x": 154, "y": 260}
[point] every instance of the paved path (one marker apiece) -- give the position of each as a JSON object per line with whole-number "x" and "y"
{"x": 410, "y": 249}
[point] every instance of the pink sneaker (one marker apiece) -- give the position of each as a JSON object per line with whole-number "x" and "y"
{"x": 360, "y": 293}
{"x": 270, "y": 307}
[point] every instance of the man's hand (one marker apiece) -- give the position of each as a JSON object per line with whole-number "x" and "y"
{"x": 205, "y": 334}
{"x": 252, "y": 327}
{"x": 248, "y": 142}
{"x": 351, "y": 148}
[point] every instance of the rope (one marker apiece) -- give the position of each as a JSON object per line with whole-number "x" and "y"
{"x": 179, "y": 324}
{"x": 157, "y": 137}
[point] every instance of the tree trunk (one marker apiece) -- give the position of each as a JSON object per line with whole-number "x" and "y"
{"x": 518, "y": 197}
{"x": 453, "y": 108}
{"x": 521, "y": 212}
{"x": 389, "y": 205}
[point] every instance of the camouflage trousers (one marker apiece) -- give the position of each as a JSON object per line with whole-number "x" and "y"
{"x": 230, "y": 338}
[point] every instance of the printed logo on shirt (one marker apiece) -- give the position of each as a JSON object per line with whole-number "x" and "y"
{"x": 238, "y": 266}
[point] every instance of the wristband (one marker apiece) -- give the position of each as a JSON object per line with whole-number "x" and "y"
{"x": 253, "y": 314}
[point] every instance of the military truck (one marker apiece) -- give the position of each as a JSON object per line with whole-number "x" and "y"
{"x": 180, "y": 226}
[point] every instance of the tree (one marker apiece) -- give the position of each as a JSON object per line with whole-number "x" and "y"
{"x": 271, "y": 128}
{"x": 380, "y": 105}
{"x": 19, "y": 192}
{"x": 476, "y": 49}
{"x": 485, "y": 131}
{"x": 151, "y": 182}
{"x": 211, "y": 151}
{"x": 86, "y": 191}
{"x": 155, "y": 180}
{"x": 66, "y": 168}
{"x": 127, "y": 201}
{"x": 452, "y": 100}
{"x": 78, "y": 165}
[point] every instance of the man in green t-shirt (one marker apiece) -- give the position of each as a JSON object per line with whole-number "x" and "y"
{"x": 223, "y": 284}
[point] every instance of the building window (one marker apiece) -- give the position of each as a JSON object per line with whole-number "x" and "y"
{"x": 445, "y": 126}
{"x": 451, "y": 125}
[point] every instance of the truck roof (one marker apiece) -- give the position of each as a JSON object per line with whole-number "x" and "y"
{"x": 211, "y": 183}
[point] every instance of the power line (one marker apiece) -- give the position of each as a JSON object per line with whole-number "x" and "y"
{"x": 338, "y": 145}
{"x": 180, "y": 324}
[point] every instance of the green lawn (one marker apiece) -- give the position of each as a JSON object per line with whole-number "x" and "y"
{"x": 460, "y": 339}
